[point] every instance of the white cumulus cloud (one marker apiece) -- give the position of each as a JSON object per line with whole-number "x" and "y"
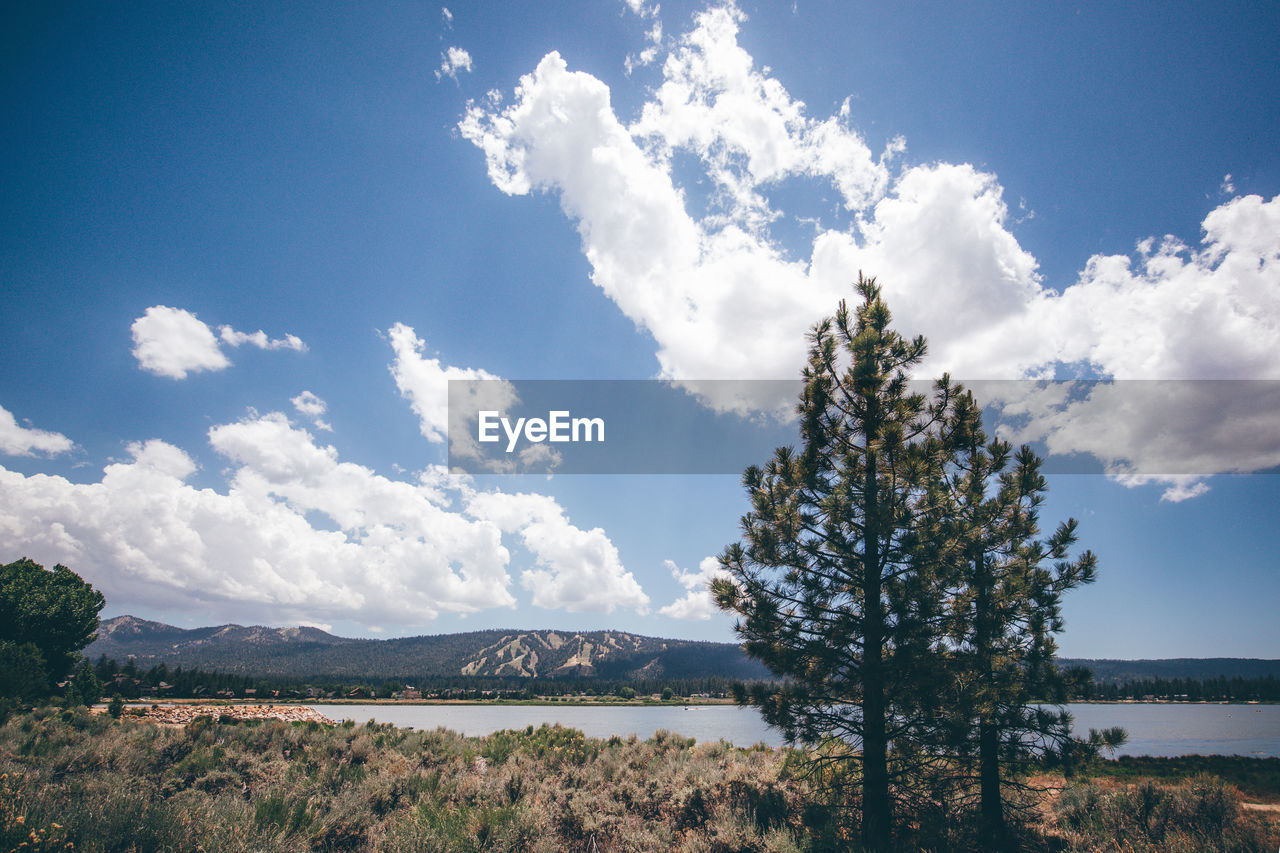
{"x": 173, "y": 342}
{"x": 299, "y": 534}
{"x": 724, "y": 297}
{"x": 576, "y": 570}
{"x": 424, "y": 382}
{"x": 17, "y": 440}
{"x": 383, "y": 551}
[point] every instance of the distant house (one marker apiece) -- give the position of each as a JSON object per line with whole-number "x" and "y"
{"x": 250, "y": 691}
{"x": 410, "y": 693}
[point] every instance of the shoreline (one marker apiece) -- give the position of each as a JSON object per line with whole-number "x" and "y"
{"x": 618, "y": 703}
{"x": 589, "y": 703}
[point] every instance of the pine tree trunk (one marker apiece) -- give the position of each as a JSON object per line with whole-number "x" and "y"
{"x": 876, "y": 822}
{"x": 875, "y": 768}
{"x": 991, "y": 817}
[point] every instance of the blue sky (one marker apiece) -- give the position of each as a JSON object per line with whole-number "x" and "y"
{"x": 209, "y": 211}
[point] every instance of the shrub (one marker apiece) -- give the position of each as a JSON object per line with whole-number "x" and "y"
{"x": 1202, "y": 814}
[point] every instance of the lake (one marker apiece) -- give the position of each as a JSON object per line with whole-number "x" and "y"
{"x": 1154, "y": 728}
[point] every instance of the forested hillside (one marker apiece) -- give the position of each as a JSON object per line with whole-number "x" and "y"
{"x": 1197, "y": 669}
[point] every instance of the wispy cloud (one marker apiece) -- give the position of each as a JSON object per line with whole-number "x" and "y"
{"x": 17, "y": 440}
{"x": 311, "y": 406}
{"x": 697, "y": 602}
{"x": 259, "y": 339}
{"x": 452, "y": 61}
{"x": 424, "y": 382}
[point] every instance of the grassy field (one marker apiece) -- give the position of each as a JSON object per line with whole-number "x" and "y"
{"x": 107, "y": 785}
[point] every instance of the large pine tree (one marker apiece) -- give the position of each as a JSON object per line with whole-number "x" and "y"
{"x": 826, "y": 580}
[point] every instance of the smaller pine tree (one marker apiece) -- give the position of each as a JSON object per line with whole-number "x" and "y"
{"x": 1004, "y": 610}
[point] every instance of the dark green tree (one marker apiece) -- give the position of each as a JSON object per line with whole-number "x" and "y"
{"x": 55, "y": 612}
{"x": 84, "y": 687}
{"x": 22, "y": 672}
{"x": 1004, "y": 611}
{"x": 827, "y": 581}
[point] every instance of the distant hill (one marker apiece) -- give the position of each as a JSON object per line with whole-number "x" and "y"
{"x": 615, "y": 655}
{"x": 312, "y": 653}
{"x": 1198, "y": 669}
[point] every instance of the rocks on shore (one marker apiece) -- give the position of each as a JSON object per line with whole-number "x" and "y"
{"x": 180, "y": 715}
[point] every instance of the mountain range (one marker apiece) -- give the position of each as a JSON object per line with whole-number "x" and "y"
{"x": 312, "y": 653}
{"x": 303, "y": 652}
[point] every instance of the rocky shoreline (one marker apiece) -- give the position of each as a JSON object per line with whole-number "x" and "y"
{"x": 180, "y": 715}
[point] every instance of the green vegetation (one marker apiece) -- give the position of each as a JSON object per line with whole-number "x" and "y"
{"x": 1255, "y": 777}
{"x": 1199, "y": 815}
{"x": 132, "y": 785}
{"x": 46, "y": 618}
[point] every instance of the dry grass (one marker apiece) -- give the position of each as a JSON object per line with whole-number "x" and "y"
{"x": 132, "y": 785}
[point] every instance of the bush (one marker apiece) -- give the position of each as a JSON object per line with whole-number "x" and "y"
{"x": 1203, "y": 815}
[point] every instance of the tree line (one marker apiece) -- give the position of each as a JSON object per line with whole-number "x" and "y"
{"x": 1221, "y": 689}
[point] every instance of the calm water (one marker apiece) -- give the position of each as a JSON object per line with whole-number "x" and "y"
{"x": 1154, "y": 729}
